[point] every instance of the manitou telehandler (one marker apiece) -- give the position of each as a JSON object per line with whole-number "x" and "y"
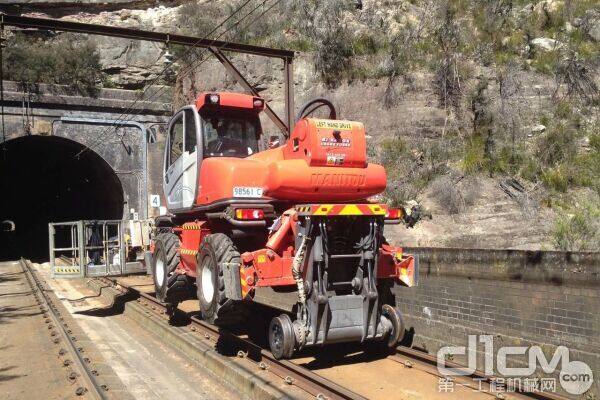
{"x": 290, "y": 221}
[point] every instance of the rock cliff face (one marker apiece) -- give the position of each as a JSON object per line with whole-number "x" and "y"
{"x": 491, "y": 218}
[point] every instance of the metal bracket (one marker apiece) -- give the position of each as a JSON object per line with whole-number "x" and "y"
{"x": 248, "y": 88}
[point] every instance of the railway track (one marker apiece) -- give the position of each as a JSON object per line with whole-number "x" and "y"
{"x": 82, "y": 372}
{"x": 309, "y": 381}
{"x": 292, "y": 374}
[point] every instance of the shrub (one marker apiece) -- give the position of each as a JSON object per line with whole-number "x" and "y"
{"x": 564, "y": 109}
{"x": 398, "y": 193}
{"x": 411, "y": 168}
{"x": 579, "y": 78}
{"x": 545, "y": 62}
{"x": 577, "y": 228}
{"x": 322, "y": 23}
{"x": 64, "y": 60}
{"x": 556, "y": 179}
{"x": 557, "y": 145}
{"x": 365, "y": 44}
{"x": 451, "y": 195}
{"x": 474, "y": 155}
{"x": 392, "y": 152}
{"x": 199, "y": 19}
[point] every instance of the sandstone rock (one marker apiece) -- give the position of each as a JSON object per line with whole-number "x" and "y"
{"x": 546, "y": 44}
{"x": 548, "y": 7}
{"x": 569, "y": 27}
{"x": 592, "y": 24}
{"x": 527, "y": 10}
{"x": 537, "y": 129}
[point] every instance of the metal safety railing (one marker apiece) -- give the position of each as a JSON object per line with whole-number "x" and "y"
{"x": 89, "y": 248}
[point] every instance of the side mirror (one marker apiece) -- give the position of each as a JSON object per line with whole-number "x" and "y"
{"x": 274, "y": 142}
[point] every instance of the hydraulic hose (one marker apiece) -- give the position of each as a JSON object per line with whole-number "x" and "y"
{"x": 297, "y": 269}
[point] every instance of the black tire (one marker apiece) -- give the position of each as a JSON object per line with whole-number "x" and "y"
{"x": 216, "y": 308}
{"x": 165, "y": 258}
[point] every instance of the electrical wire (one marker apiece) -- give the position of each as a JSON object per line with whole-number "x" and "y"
{"x": 191, "y": 48}
{"x": 200, "y": 61}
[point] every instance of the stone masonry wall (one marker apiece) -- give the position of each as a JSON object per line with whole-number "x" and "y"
{"x": 522, "y": 298}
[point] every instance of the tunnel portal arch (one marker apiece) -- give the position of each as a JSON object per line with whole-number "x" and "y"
{"x": 43, "y": 180}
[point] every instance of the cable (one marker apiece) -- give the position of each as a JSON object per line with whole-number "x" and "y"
{"x": 141, "y": 96}
{"x": 193, "y": 65}
{"x": 203, "y": 60}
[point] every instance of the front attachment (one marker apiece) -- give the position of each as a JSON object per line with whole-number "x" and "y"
{"x": 336, "y": 272}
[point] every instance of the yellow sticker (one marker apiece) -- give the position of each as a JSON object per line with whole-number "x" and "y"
{"x": 337, "y": 125}
{"x": 261, "y": 258}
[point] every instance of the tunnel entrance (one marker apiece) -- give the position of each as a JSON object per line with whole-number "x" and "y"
{"x": 42, "y": 181}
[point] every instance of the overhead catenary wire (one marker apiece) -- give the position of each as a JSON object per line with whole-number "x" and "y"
{"x": 201, "y": 61}
{"x": 120, "y": 119}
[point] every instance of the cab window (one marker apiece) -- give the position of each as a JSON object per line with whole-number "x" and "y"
{"x": 190, "y": 131}
{"x": 175, "y": 141}
{"x": 230, "y": 133}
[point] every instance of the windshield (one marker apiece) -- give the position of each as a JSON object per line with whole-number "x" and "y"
{"x": 230, "y": 134}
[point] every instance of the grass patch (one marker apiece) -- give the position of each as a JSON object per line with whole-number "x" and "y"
{"x": 577, "y": 227}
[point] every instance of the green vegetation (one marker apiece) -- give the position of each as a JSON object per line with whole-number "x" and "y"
{"x": 412, "y": 166}
{"x": 64, "y": 60}
{"x": 480, "y": 56}
{"x": 578, "y": 226}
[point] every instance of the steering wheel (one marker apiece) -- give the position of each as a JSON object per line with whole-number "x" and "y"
{"x": 311, "y": 106}
{"x": 225, "y": 146}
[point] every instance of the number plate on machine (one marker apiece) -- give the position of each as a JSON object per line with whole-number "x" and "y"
{"x": 245, "y": 191}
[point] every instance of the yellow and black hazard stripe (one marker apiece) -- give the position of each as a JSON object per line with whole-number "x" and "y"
{"x": 67, "y": 270}
{"x": 188, "y": 252}
{"x": 342, "y": 209}
{"x": 303, "y": 209}
{"x": 245, "y": 287}
{"x": 191, "y": 226}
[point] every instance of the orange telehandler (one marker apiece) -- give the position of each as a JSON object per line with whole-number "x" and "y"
{"x": 290, "y": 223}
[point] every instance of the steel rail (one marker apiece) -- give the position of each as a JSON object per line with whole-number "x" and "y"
{"x": 129, "y": 33}
{"x": 293, "y": 374}
{"x": 92, "y": 387}
{"x": 431, "y": 360}
{"x": 314, "y": 383}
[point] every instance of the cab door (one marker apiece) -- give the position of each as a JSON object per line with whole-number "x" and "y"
{"x": 182, "y": 159}
{"x": 173, "y": 162}
{"x": 191, "y": 155}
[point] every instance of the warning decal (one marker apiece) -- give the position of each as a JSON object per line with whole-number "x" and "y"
{"x": 337, "y": 125}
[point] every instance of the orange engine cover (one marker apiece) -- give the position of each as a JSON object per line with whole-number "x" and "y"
{"x": 324, "y": 142}
{"x": 323, "y": 160}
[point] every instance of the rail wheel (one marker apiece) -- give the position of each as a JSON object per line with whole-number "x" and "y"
{"x": 395, "y": 317}
{"x": 281, "y": 337}
{"x": 215, "y": 250}
{"x": 164, "y": 262}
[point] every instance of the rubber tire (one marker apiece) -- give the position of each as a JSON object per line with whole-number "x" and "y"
{"x": 165, "y": 247}
{"x": 398, "y": 327}
{"x": 216, "y": 249}
{"x": 283, "y": 346}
